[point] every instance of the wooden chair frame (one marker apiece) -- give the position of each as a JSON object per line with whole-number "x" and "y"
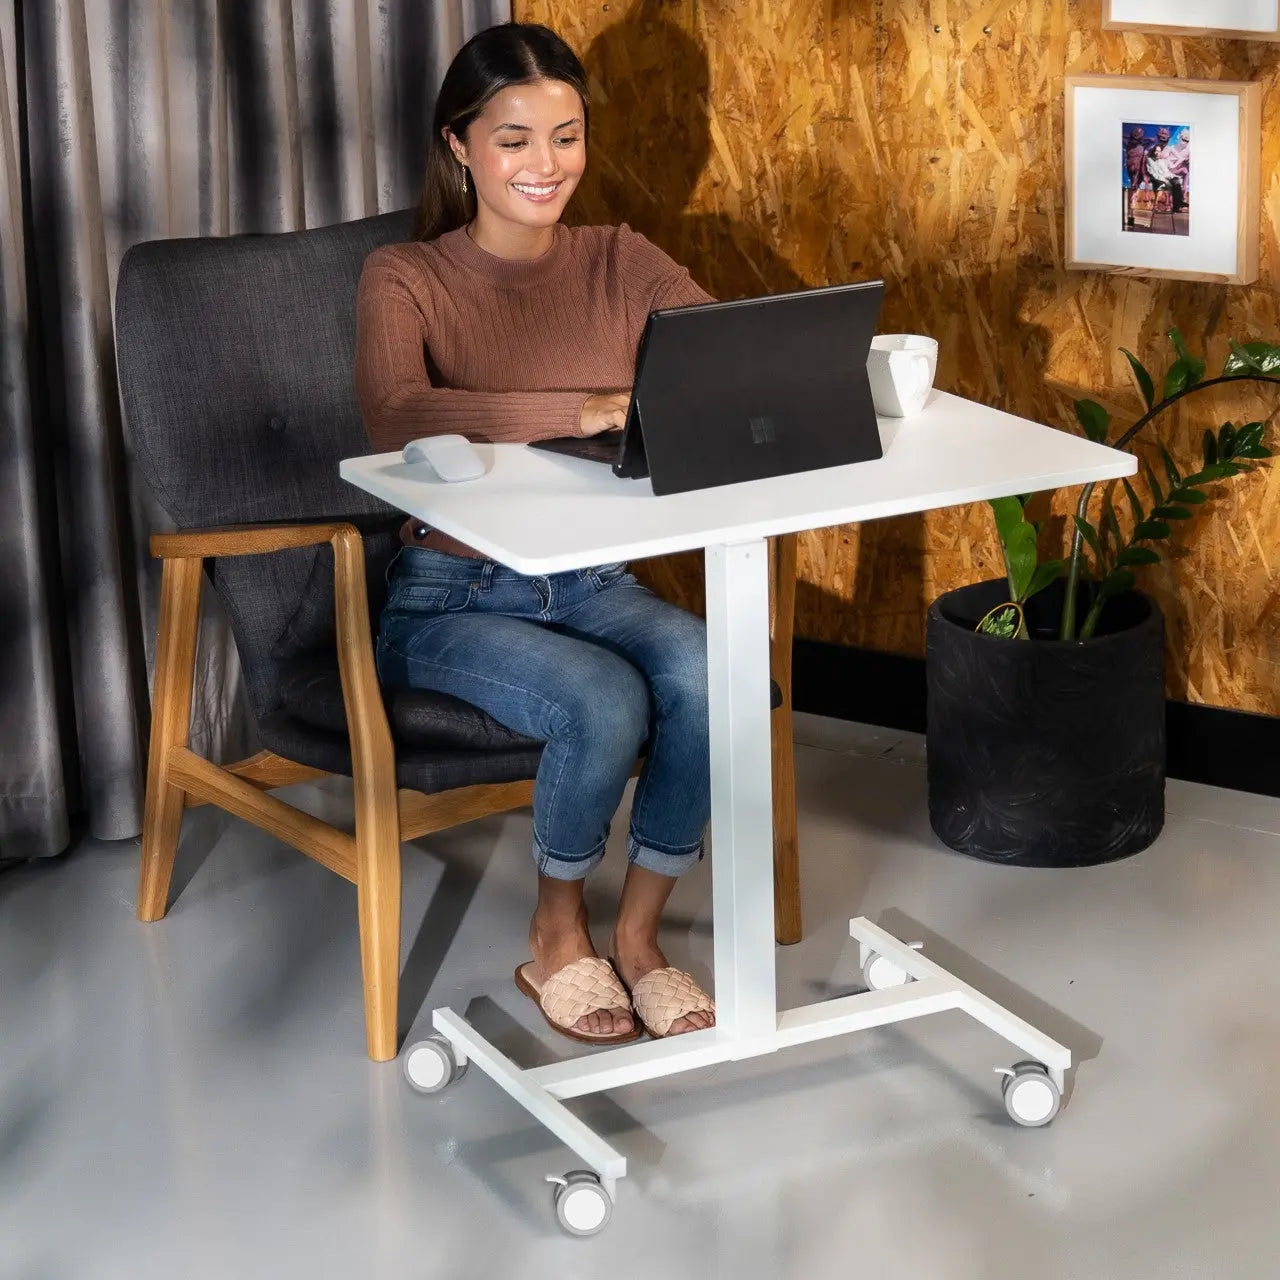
{"x": 385, "y": 815}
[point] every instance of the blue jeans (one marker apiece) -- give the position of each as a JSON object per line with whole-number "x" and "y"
{"x": 589, "y": 662}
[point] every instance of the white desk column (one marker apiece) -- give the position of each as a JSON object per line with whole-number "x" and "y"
{"x": 741, "y": 788}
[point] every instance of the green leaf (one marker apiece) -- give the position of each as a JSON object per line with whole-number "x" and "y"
{"x": 1177, "y": 379}
{"x": 1145, "y": 384}
{"x": 1253, "y": 451}
{"x": 1134, "y": 505}
{"x": 1002, "y": 623}
{"x": 1188, "y": 497}
{"x": 1170, "y": 467}
{"x": 1045, "y": 573}
{"x": 1266, "y": 355}
{"x": 1252, "y": 357}
{"x": 1185, "y": 371}
{"x": 1152, "y": 483}
{"x": 1219, "y": 471}
{"x": 1111, "y": 523}
{"x": 1008, "y": 513}
{"x": 1239, "y": 362}
{"x": 1149, "y": 530}
{"x": 1207, "y": 475}
{"x": 1094, "y": 419}
{"x": 1226, "y": 440}
{"x": 1116, "y": 583}
{"x": 1021, "y": 552}
{"x": 1210, "y": 447}
{"x": 1136, "y": 555}
{"x": 1108, "y": 526}
{"x": 1170, "y": 513}
{"x": 1249, "y": 435}
{"x": 1090, "y": 535}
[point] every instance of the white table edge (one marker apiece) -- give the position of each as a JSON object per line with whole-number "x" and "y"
{"x": 357, "y": 471}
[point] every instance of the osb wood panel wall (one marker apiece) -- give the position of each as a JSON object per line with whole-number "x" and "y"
{"x": 770, "y": 144}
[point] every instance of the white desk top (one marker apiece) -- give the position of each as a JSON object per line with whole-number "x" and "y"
{"x": 540, "y": 512}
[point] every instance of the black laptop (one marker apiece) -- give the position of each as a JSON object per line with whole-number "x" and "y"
{"x": 732, "y": 391}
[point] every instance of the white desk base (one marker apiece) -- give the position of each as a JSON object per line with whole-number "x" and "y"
{"x": 748, "y": 1021}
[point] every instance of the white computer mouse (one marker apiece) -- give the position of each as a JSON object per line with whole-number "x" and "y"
{"x": 452, "y": 458}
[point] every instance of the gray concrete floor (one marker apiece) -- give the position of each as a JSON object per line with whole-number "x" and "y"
{"x": 191, "y": 1098}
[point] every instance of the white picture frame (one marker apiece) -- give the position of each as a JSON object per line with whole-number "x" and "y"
{"x": 1232, "y": 19}
{"x": 1130, "y": 208}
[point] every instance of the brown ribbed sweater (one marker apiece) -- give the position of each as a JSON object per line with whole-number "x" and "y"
{"x": 450, "y": 338}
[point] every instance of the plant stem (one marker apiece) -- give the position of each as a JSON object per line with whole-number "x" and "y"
{"x": 1090, "y": 623}
{"x": 1187, "y": 391}
{"x": 1067, "y": 628}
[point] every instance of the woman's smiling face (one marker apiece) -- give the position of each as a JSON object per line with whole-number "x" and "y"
{"x": 526, "y": 152}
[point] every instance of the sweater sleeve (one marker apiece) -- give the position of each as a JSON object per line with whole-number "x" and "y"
{"x": 397, "y": 398}
{"x": 679, "y": 290}
{"x": 653, "y": 280}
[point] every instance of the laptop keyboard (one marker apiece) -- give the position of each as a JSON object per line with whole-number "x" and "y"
{"x": 601, "y": 448}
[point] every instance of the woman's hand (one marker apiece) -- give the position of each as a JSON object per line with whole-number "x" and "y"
{"x": 604, "y": 413}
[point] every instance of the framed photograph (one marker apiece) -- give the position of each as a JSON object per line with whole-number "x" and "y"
{"x": 1163, "y": 177}
{"x": 1237, "y": 19}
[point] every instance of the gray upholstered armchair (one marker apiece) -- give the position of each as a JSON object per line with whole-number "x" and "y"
{"x": 235, "y": 359}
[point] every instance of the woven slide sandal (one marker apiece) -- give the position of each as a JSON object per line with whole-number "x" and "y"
{"x": 665, "y": 996}
{"x": 586, "y": 986}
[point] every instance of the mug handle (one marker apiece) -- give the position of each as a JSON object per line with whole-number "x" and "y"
{"x": 912, "y": 378}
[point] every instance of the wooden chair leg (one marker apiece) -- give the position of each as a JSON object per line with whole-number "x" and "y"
{"x": 170, "y": 727}
{"x": 788, "y": 922}
{"x": 373, "y": 775}
{"x": 378, "y": 905}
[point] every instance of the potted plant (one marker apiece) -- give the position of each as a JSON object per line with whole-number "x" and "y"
{"x": 1046, "y": 705}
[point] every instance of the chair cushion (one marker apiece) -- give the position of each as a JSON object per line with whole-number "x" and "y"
{"x": 311, "y": 693}
{"x": 418, "y": 770}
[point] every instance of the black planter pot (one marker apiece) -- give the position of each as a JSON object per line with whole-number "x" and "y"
{"x": 1045, "y": 754}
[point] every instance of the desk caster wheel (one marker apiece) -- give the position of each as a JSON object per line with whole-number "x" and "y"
{"x": 1030, "y": 1095}
{"x": 430, "y": 1065}
{"x": 583, "y": 1207}
{"x": 880, "y": 973}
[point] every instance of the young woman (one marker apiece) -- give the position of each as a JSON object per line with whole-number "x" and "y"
{"x": 499, "y": 323}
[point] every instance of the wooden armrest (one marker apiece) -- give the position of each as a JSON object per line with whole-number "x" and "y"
{"x": 246, "y": 539}
{"x": 373, "y": 756}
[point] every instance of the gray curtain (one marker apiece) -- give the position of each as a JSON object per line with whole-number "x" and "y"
{"x": 120, "y": 121}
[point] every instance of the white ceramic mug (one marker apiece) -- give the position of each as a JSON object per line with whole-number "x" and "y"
{"x": 900, "y": 368}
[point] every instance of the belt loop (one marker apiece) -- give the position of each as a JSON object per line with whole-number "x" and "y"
{"x": 486, "y": 575}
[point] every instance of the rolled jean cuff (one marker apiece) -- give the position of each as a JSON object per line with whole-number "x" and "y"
{"x": 666, "y": 862}
{"x": 561, "y": 866}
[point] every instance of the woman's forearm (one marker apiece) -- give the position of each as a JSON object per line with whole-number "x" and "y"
{"x": 498, "y": 417}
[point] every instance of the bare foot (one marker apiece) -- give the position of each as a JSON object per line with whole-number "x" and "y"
{"x": 635, "y": 957}
{"x": 556, "y": 942}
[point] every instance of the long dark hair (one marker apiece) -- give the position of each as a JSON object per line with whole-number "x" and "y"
{"x": 492, "y": 60}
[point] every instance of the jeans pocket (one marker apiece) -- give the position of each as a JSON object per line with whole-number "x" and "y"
{"x": 606, "y": 575}
{"x": 408, "y": 596}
